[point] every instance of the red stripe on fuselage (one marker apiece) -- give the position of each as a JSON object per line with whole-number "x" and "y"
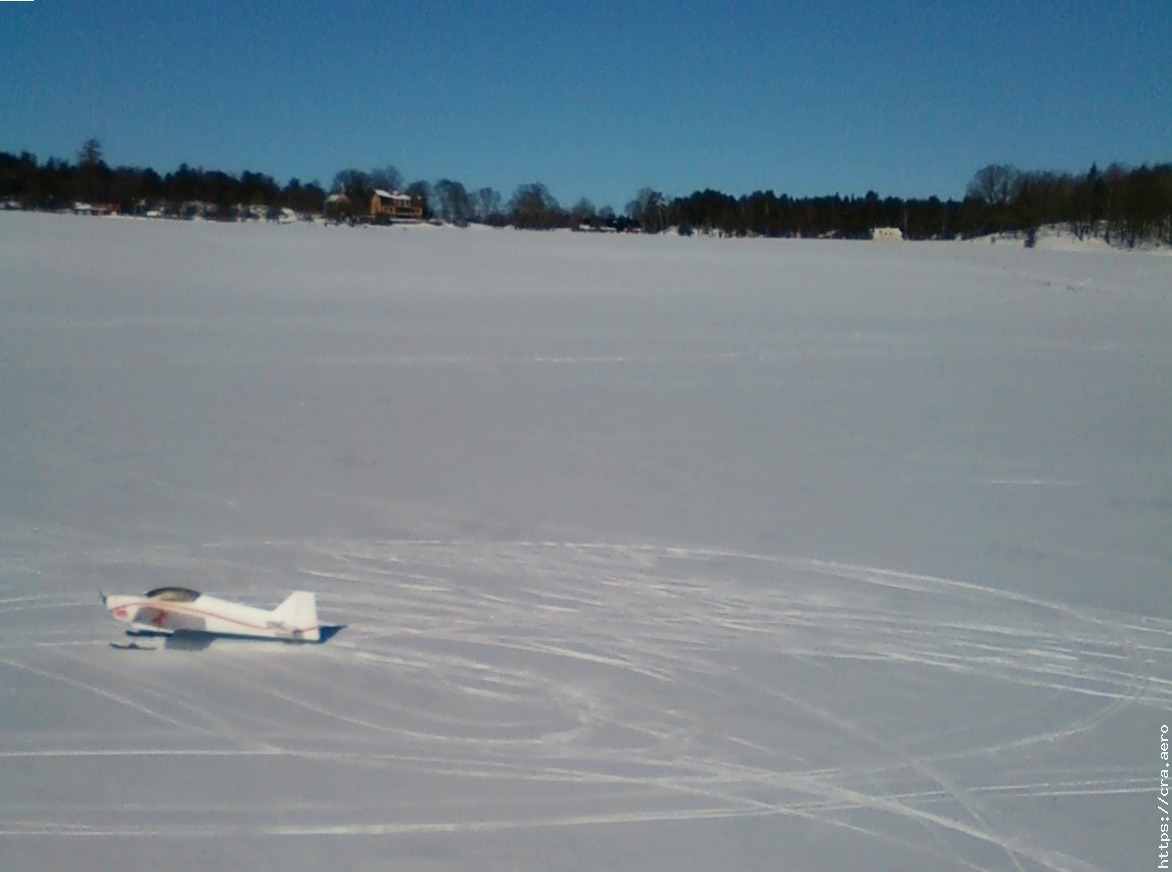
{"x": 190, "y": 611}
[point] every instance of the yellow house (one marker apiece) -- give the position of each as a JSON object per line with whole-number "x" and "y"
{"x": 394, "y": 206}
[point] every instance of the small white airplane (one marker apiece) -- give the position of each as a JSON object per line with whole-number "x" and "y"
{"x": 186, "y": 613}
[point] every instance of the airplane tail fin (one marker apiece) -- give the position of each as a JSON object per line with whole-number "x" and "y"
{"x": 298, "y": 614}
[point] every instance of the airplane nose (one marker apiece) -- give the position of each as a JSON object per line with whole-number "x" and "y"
{"x": 117, "y": 606}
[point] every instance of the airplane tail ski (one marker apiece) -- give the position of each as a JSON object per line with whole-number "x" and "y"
{"x": 298, "y": 614}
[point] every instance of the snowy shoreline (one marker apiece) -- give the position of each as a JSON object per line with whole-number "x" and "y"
{"x": 1048, "y": 238}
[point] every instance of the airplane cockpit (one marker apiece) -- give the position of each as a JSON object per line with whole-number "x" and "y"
{"x": 174, "y": 594}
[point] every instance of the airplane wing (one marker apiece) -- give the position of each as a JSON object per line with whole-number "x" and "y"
{"x": 155, "y": 617}
{"x": 139, "y": 629}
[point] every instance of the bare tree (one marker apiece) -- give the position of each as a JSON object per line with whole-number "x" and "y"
{"x": 421, "y": 192}
{"x": 455, "y": 207}
{"x": 533, "y": 207}
{"x": 488, "y": 206}
{"x": 995, "y": 184}
{"x": 357, "y": 188}
{"x": 352, "y": 182}
{"x": 583, "y": 212}
{"x": 388, "y": 178}
{"x": 649, "y": 208}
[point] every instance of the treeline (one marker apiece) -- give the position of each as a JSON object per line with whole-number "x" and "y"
{"x": 57, "y": 184}
{"x": 1125, "y": 205}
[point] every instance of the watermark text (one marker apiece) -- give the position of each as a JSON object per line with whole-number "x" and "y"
{"x": 1162, "y": 800}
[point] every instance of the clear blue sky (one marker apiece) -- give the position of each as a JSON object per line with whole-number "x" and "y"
{"x": 595, "y": 99}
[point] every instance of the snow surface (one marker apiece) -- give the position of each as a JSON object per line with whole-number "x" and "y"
{"x": 656, "y": 553}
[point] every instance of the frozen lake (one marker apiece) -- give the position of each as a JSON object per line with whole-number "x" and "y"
{"x": 655, "y": 553}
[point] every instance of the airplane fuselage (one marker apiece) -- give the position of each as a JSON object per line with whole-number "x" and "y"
{"x": 169, "y": 610}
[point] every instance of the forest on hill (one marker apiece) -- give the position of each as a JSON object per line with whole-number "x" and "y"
{"x": 1125, "y": 205}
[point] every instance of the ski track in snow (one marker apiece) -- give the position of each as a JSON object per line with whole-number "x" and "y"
{"x": 596, "y": 666}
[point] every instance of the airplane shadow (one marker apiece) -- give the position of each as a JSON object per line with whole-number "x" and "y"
{"x": 199, "y": 640}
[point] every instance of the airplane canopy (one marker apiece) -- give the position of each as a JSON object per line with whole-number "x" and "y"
{"x": 174, "y": 594}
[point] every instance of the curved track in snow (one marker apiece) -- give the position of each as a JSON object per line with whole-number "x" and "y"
{"x": 521, "y": 686}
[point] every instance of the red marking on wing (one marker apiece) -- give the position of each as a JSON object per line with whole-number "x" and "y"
{"x": 152, "y": 616}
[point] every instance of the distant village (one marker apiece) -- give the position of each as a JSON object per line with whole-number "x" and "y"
{"x": 386, "y": 207}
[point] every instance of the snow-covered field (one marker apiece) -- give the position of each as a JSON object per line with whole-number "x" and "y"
{"x": 656, "y": 553}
